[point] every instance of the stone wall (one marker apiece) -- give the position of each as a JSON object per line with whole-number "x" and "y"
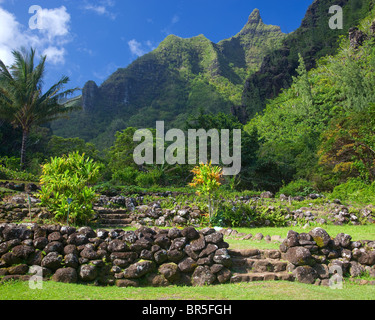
{"x": 151, "y": 257}
{"x": 315, "y": 256}
{"x": 157, "y": 257}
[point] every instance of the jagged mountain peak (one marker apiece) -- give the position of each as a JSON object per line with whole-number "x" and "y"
{"x": 254, "y": 23}
{"x": 255, "y": 17}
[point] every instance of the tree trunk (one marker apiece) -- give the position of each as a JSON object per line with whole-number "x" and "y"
{"x": 25, "y": 135}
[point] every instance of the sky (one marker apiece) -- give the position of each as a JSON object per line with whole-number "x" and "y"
{"x": 91, "y": 39}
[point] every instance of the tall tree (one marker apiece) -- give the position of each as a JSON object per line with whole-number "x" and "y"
{"x": 22, "y": 102}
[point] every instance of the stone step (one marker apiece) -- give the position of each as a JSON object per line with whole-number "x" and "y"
{"x": 264, "y": 276}
{"x": 254, "y": 253}
{"x": 115, "y": 221}
{"x": 114, "y": 216}
{"x": 111, "y": 211}
{"x": 113, "y": 226}
{"x": 259, "y": 265}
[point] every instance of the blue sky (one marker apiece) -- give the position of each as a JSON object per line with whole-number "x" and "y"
{"x": 90, "y": 39}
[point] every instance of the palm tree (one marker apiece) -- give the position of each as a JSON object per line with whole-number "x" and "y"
{"x": 22, "y": 102}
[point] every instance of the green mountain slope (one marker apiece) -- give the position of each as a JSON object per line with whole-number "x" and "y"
{"x": 172, "y": 82}
{"x": 322, "y": 127}
{"x": 313, "y": 40}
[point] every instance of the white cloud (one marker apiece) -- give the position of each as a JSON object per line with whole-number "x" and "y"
{"x": 168, "y": 29}
{"x": 54, "y": 23}
{"x": 175, "y": 19}
{"x": 102, "y": 8}
{"x": 55, "y": 55}
{"x": 136, "y": 48}
{"x": 139, "y": 49}
{"x": 50, "y": 38}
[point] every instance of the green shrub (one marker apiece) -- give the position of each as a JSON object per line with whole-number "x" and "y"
{"x": 299, "y": 187}
{"x": 12, "y": 163}
{"x": 354, "y": 190}
{"x": 70, "y": 177}
{"x": 248, "y": 214}
{"x": 9, "y": 174}
{"x": 126, "y": 176}
{"x": 149, "y": 179}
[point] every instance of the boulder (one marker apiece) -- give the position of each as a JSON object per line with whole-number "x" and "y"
{"x": 87, "y": 231}
{"x": 139, "y": 269}
{"x": 157, "y": 280}
{"x": 203, "y": 276}
{"x": 187, "y": 265}
{"x": 163, "y": 241}
{"x": 40, "y": 243}
{"x": 71, "y": 260}
{"x": 305, "y": 274}
{"x": 356, "y": 269}
{"x": 342, "y": 240}
{"x": 67, "y": 230}
{"x": 223, "y": 275}
{"x": 363, "y": 256}
{"x": 267, "y": 195}
{"x": 170, "y": 271}
{"x": 198, "y": 244}
{"x": 117, "y": 245}
{"x": 124, "y": 283}
{"x": 175, "y": 255}
{"x": 77, "y": 239}
{"x": 55, "y": 236}
{"x": 87, "y": 272}
{"x": 23, "y": 252}
{"x": 52, "y": 261}
{"x": 190, "y": 233}
{"x": 89, "y": 253}
{"x": 214, "y": 238}
{"x": 20, "y": 232}
{"x": 174, "y": 233}
{"x": 211, "y": 248}
{"x": 222, "y": 257}
{"x": 322, "y": 271}
{"x": 130, "y": 237}
{"x": 54, "y": 246}
{"x": 160, "y": 256}
{"x": 178, "y": 243}
{"x": 299, "y": 256}
{"x": 321, "y": 237}
{"x": 19, "y": 269}
{"x": 65, "y": 275}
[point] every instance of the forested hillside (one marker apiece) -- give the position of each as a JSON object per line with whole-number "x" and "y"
{"x": 313, "y": 40}
{"x": 322, "y": 128}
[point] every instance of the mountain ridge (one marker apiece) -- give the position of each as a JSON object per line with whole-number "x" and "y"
{"x": 174, "y": 81}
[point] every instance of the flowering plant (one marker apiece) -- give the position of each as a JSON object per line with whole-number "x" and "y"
{"x": 207, "y": 179}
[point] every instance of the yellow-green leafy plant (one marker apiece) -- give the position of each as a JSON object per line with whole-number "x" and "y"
{"x": 207, "y": 179}
{"x": 70, "y": 177}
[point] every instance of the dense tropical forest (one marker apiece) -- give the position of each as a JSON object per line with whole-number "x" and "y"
{"x": 304, "y": 103}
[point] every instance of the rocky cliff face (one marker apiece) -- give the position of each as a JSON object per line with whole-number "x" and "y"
{"x": 89, "y": 95}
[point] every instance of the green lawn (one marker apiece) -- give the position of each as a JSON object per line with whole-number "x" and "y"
{"x": 364, "y": 232}
{"x": 279, "y": 290}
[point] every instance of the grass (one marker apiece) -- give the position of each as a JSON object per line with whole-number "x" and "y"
{"x": 279, "y": 290}
{"x": 362, "y": 232}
